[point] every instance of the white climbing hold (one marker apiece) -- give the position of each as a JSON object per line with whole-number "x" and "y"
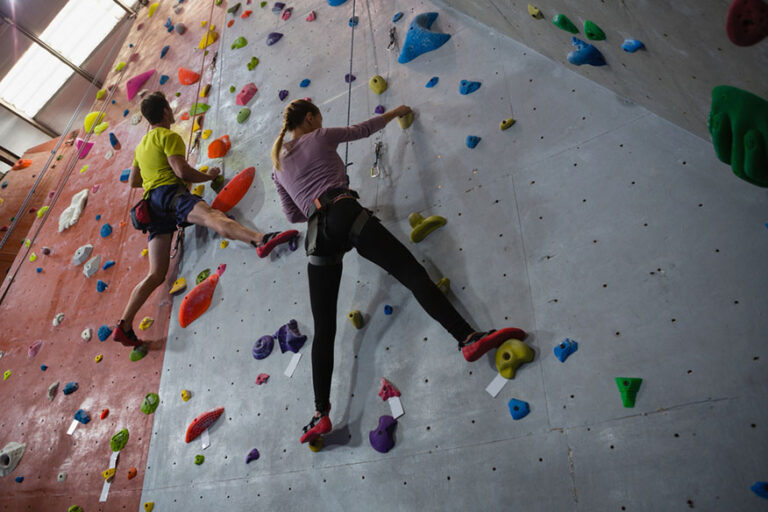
{"x": 86, "y": 334}
{"x": 71, "y": 213}
{"x": 135, "y": 119}
{"x": 109, "y": 154}
{"x": 58, "y": 319}
{"x": 81, "y": 254}
{"x": 10, "y": 457}
{"x": 92, "y": 265}
{"x": 52, "y": 390}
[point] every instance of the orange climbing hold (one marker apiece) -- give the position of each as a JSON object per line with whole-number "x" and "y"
{"x": 219, "y": 147}
{"x": 201, "y": 423}
{"x": 196, "y": 302}
{"x": 230, "y": 23}
{"x": 234, "y": 191}
{"x": 188, "y": 77}
{"x": 185, "y": 116}
{"x": 246, "y": 14}
{"x": 21, "y": 164}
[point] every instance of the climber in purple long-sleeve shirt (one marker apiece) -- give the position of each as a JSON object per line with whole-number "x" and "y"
{"x": 312, "y": 184}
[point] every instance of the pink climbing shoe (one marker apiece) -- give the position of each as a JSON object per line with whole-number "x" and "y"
{"x": 127, "y": 338}
{"x": 316, "y": 428}
{"x": 481, "y": 342}
{"x": 272, "y": 240}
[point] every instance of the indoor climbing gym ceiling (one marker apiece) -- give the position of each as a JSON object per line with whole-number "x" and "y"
{"x": 592, "y": 173}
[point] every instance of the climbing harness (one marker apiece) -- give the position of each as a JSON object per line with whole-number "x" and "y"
{"x": 316, "y": 226}
{"x": 376, "y": 169}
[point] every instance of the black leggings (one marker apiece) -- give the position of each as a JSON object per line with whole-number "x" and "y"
{"x": 378, "y": 245}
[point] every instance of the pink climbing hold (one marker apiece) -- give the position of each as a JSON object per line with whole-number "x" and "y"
{"x": 245, "y": 95}
{"x": 133, "y": 85}
{"x": 34, "y": 349}
{"x": 312, "y": 16}
{"x": 83, "y": 147}
{"x": 287, "y": 13}
{"x": 387, "y": 390}
{"x": 262, "y": 378}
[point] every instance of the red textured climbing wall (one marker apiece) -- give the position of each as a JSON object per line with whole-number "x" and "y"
{"x": 33, "y": 299}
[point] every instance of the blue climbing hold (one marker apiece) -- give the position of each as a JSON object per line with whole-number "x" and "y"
{"x": 353, "y": 21}
{"x": 169, "y": 25}
{"x": 473, "y": 141}
{"x": 305, "y": 82}
{"x": 82, "y": 417}
{"x": 98, "y": 216}
{"x": 397, "y": 17}
{"x": 19, "y": 479}
{"x": 335, "y": 3}
{"x": 163, "y": 79}
{"x": 387, "y": 309}
{"x": 113, "y": 140}
{"x": 124, "y": 175}
{"x": 70, "y": 388}
{"x": 432, "y": 82}
{"x": 113, "y": 102}
{"x": 164, "y": 50}
{"x": 43, "y": 367}
{"x": 632, "y": 45}
{"x": 565, "y": 349}
{"x": 468, "y": 86}
{"x": 585, "y": 54}
{"x": 273, "y": 37}
{"x": 130, "y": 45}
{"x": 379, "y": 109}
{"x": 125, "y": 112}
{"x": 104, "y": 333}
{"x": 109, "y": 263}
{"x": 5, "y": 184}
{"x": 100, "y": 286}
{"x": 419, "y": 39}
{"x": 106, "y": 230}
{"x": 278, "y": 7}
{"x": 39, "y": 269}
{"x": 518, "y": 408}
{"x": 760, "y": 488}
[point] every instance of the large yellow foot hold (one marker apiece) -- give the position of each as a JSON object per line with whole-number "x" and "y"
{"x": 198, "y": 190}
{"x": 356, "y": 318}
{"x": 178, "y": 286}
{"x": 316, "y": 444}
{"x": 108, "y": 474}
{"x": 146, "y": 323}
{"x": 506, "y": 123}
{"x": 423, "y": 227}
{"x": 510, "y": 355}
{"x": 149, "y": 506}
{"x": 406, "y": 121}
{"x": 535, "y": 12}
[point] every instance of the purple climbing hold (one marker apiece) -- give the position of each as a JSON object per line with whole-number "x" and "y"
{"x": 468, "y": 86}
{"x": 382, "y": 438}
{"x": 289, "y": 337}
{"x": 34, "y": 349}
{"x": 349, "y": 78}
{"x": 282, "y": 94}
{"x": 432, "y": 82}
{"x": 273, "y": 37}
{"x": 278, "y": 7}
{"x": 164, "y": 50}
{"x": 252, "y": 455}
{"x": 379, "y": 109}
{"x": 263, "y": 347}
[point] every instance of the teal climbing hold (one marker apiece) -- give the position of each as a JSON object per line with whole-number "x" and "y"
{"x": 419, "y": 39}
{"x": 106, "y": 230}
{"x": 468, "y": 87}
{"x": 632, "y": 45}
{"x": 398, "y": 15}
{"x": 305, "y": 82}
{"x": 239, "y": 43}
{"x": 335, "y": 3}
{"x": 163, "y": 79}
{"x": 561, "y": 21}
{"x": 628, "y": 387}
{"x": 593, "y": 32}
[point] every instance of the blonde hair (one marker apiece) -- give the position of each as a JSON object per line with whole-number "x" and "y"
{"x": 293, "y": 116}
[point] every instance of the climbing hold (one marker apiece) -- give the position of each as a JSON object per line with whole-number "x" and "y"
{"x": 349, "y": 78}
{"x": 535, "y": 12}
{"x": 405, "y": 121}
{"x": 106, "y": 230}
{"x": 101, "y": 286}
{"x": 397, "y": 17}
{"x": 133, "y": 85}
{"x": 628, "y": 387}
{"x": 217, "y": 183}
{"x": 387, "y": 390}
{"x": 282, "y": 94}
{"x": 185, "y": 395}
{"x": 205, "y": 90}
{"x": 131, "y": 473}
{"x": 377, "y": 84}
{"x": 51, "y": 393}
{"x": 152, "y": 9}
{"x": 233, "y": 10}
{"x": 143, "y": 252}
{"x": 198, "y": 108}
{"x": 234, "y": 191}
{"x": 69, "y": 388}
{"x": 91, "y": 120}
{"x": 593, "y": 32}
{"x": 739, "y": 132}
{"x": 197, "y": 301}
{"x": 82, "y": 416}
{"x": 419, "y": 39}
{"x": 287, "y": 14}
{"x": 444, "y": 284}
{"x": 34, "y": 349}
{"x": 311, "y": 16}
{"x": 262, "y": 378}
{"x": 252, "y": 455}
{"x": 92, "y": 266}
{"x": 108, "y": 474}
{"x": 232, "y": 88}
{"x": 119, "y": 440}
{"x": 198, "y": 190}
{"x": 199, "y": 459}
{"x": 747, "y": 22}
{"x": 246, "y": 93}
{"x": 202, "y": 276}
{"x": 353, "y": 21}
{"x": 356, "y": 318}
{"x": 150, "y": 403}
{"x": 125, "y": 112}
{"x": 138, "y": 353}
{"x": 472, "y": 141}
{"x": 253, "y": 63}
{"x": 198, "y": 124}
{"x": 278, "y": 7}
{"x": 468, "y": 87}
{"x": 432, "y": 82}
{"x": 263, "y": 347}
{"x": 163, "y": 79}
{"x": 518, "y": 408}
{"x": 104, "y": 332}
{"x": 58, "y": 319}
{"x": 632, "y": 45}
{"x": 181, "y": 28}
{"x": 104, "y": 413}
{"x": 209, "y": 38}
{"x": 246, "y": 14}
{"x": 125, "y": 175}
{"x": 238, "y": 43}
{"x": 100, "y": 94}
{"x": 83, "y": 147}
{"x": 422, "y": 227}
{"x": 335, "y": 3}
{"x": 146, "y": 323}
{"x": 382, "y": 437}
{"x": 273, "y": 37}
{"x": 218, "y": 148}
{"x": 760, "y": 488}
{"x": 149, "y": 506}
{"x": 510, "y": 355}
{"x": 75, "y": 508}
{"x": 201, "y": 423}
{"x": 61, "y": 476}
{"x": 164, "y": 50}
{"x": 39, "y": 270}
{"x": 19, "y": 479}
{"x": 135, "y": 119}
{"x": 565, "y": 349}
{"x": 305, "y": 82}
{"x": 114, "y": 142}
{"x": 100, "y": 127}
{"x": 289, "y": 337}
{"x": 585, "y": 54}
{"x": 43, "y": 367}
{"x": 561, "y": 21}
{"x": 120, "y": 66}
{"x": 81, "y": 254}
{"x": 188, "y": 77}
{"x": 506, "y": 123}
{"x": 86, "y": 334}
{"x": 107, "y": 264}
{"x": 32, "y": 257}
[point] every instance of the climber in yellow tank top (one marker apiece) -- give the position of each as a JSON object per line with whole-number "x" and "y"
{"x": 151, "y": 157}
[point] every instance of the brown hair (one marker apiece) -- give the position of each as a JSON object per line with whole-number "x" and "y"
{"x": 293, "y": 116}
{"x": 153, "y": 106}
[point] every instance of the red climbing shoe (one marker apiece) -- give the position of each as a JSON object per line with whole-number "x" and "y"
{"x": 127, "y": 338}
{"x": 316, "y": 428}
{"x": 272, "y": 240}
{"x": 482, "y": 342}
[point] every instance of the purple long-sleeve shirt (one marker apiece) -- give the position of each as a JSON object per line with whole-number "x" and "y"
{"x": 310, "y": 165}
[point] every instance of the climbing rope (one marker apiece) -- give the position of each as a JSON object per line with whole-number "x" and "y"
{"x": 347, "y": 163}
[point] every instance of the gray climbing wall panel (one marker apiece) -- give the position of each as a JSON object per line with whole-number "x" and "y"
{"x": 590, "y": 218}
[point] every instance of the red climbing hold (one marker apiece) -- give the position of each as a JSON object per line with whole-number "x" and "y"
{"x": 187, "y": 76}
{"x": 491, "y": 340}
{"x": 747, "y": 22}
{"x": 104, "y": 413}
{"x": 230, "y": 23}
{"x": 246, "y": 93}
{"x": 286, "y": 236}
{"x": 202, "y": 422}
{"x": 387, "y": 390}
{"x": 133, "y": 85}
{"x": 246, "y": 14}
{"x": 219, "y": 147}
{"x": 234, "y": 191}
{"x": 185, "y": 116}
{"x": 197, "y": 301}
{"x": 311, "y": 16}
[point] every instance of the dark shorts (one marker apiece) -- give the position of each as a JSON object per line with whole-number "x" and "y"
{"x": 165, "y": 219}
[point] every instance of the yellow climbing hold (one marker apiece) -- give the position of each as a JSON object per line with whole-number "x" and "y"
{"x": 100, "y": 127}
{"x": 120, "y": 66}
{"x": 506, "y": 123}
{"x": 152, "y": 9}
{"x": 92, "y": 119}
{"x": 26, "y": 242}
{"x": 108, "y": 474}
{"x": 444, "y": 284}
{"x": 405, "y": 121}
{"x": 144, "y": 252}
{"x": 355, "y": 318}
{"x": 203, "y": 23}
{"x": 316, "y": 444}
{"x": 146, "y": 323}
{"x": 535, "y": 12}
{"x": 196, "y": 125}
{"x": 149, "y": 506}
{"x": 204, "y": 168}
{"x": 98, "y": 358}
{"x": 100, "y": 94}
{"x": 209, "y": 38}
{"x": 85, "y": 168}
{"x": 206, "y": 134}
{"x": 205, "y": 90}
{"x": 510, "y": 355}
{"x": 32, "y": 257}
{"x": 377, "y": 84}
{"x": 41, "y": 211}
{"x": 224, "y": 244}
{"x": 423, "y": 227}
{"x": 185, "y": 395}
{"x": 198, "y": 190}
{"x": 179, "y": 285}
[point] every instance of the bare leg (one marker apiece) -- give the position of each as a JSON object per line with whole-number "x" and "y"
{"x": 159, "y": 258}
{"x": 203, "y": 215}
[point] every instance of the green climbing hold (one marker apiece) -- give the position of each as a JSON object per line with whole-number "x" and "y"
{"x": 218, "y": 2}
{"x": 120, "y": 66}
{"x": 593, "y": 32}
{"x": 202, "y": 276}
{"x": 75, "y": 508}
{"x": 199, "y": 459}
{"x": 7, "y": 374}
{"x": 150, "y": 403}
{"x": 218, "y": 183}
{"x": 198, "y": 108}
{"x": 628, "y": 387}
{"x": 100, "y": 94}
{"x": 243, "y": 115}
{"x": 119, "y": 440}
{"x": 232, "y": 88}
{"x": 263, "y": 4}
{"x": 138, "y": 353}
{"x": 239, "y": 43}
{"x": 253, "y": 63}
{"x": 561, "y": 21}
{"x": 233, "y": 10}
{"x": 738, "y": 124}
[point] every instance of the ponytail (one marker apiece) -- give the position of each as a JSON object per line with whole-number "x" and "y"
{"x": 292, "y": 117}
{"x": 277, "y": 146}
